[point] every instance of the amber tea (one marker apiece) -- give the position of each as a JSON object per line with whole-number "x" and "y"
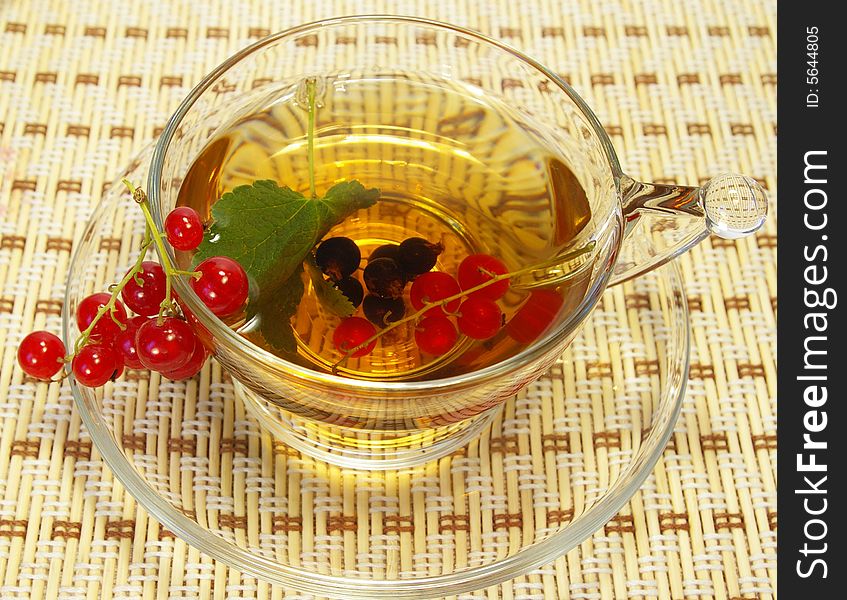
{"x": 458, "y": 171}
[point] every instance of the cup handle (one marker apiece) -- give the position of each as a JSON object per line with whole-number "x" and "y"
{"x": 663, "y": 221}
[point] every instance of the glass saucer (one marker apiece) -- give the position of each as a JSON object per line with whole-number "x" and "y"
{"x": 552, "y": 467}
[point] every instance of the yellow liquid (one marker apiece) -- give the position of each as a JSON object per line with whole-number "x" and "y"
{"x": 452, "y": 167}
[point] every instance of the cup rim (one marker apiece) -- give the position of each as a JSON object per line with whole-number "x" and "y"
{"x": 241, "y": 345}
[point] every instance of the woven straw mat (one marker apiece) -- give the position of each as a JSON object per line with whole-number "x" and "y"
{"x": 685, "y": 90}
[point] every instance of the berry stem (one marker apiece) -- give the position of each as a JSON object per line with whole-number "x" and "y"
{"x": 167, "y": 304}
{"x": 556, "y": 261}
{"x": 151, "y": 236}
{"x": 115, "y": 291}
{"x": 310, "y": 134}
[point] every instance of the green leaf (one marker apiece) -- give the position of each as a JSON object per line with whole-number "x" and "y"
{"x": 328, "y": 295}
{"x": 270, "y": 229}
{"x": 274, "y": 311}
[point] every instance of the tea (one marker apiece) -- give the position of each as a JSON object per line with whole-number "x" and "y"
{"x": 458, "y": 169}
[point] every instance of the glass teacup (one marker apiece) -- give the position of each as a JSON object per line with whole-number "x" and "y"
{"x": 418, "y": 105}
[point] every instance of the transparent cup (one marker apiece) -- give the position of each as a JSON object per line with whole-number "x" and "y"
{"x": 629, "y": 227}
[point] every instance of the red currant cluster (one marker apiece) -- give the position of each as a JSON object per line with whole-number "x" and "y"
{"x": 475, "y": 308}
{"x": 469, "y": 298}
{"x": 157, "y": 337}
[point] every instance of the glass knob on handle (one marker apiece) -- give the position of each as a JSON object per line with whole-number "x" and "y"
{"x": 663, "y": 221}
{"x": 734, "y": 205}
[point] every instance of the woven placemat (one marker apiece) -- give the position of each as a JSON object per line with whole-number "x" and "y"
{"x": 686, "y": 90}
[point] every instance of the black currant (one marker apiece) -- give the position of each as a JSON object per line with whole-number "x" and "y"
{"x": 382, "y": 311}
{"x": 384, "y": 277}
{"x": 338, "y": 257}
{"x": 384, "y": 251}
{"x": 417, "y": 255}
{"x": 352, "y": 289}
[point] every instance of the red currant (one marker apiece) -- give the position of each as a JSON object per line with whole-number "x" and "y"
{"x": 146, "y": 298}
{"x": 536, "y": 315}
{"x": 125, "y": 343}
{"x": 432, "y": 287}
{"x": 184, "y": 228}
{"x": 106, "y": 330}
{"x": 435, "y": 335}
{"x": 352, "y": 332}
{"x": 95, "y": 364}
{"x": 191, "y": 368}
{"x": 476, "y": 269}
{"x": 222, "y": 285}
{"x": 479, "y": 318}
{"x": 40, "y": 354}
{"x": 165, "y": 347}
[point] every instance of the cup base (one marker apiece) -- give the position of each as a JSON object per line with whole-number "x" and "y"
{"x": 358, "y": 449}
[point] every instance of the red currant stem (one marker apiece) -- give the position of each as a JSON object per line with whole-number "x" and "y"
{"x": 63, "y": 374}
{"x": 120, "y": 325}
{"x": 167, "y": 304}
{"x": 310, "y": 134}
{"x": 115, "y": 291}
{"x": 151, "y": 236}
{"x": 556, "y": 261}
{"x": 194, "y": 274}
